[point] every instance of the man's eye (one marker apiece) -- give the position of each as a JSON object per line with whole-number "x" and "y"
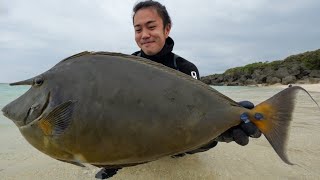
{"x": 152, "y": 27}
{"x": 138, "y": 30}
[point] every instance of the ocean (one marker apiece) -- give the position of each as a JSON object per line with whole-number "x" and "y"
{"x": 8, "y": 94}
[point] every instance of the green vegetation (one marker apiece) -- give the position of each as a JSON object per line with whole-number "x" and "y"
{"x": 311, "y": 60}
{"x": 247, "y": 69}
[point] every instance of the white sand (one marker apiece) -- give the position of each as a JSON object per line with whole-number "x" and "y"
{"x": 19, "y": 160}
{"x": 308, "y": 87}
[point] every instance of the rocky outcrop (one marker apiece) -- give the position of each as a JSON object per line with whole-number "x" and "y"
{"x": 301, "y": 68}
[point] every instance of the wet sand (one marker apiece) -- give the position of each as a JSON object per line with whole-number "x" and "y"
{"x": 19, "y": 160}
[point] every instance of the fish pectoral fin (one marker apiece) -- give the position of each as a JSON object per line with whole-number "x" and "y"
{"x": 58, "y": 120}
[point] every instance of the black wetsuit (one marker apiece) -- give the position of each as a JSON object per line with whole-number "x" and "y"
{"x": 168, "y": 58}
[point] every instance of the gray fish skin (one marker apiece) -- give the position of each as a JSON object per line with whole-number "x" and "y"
{"x": 128, "y": 110}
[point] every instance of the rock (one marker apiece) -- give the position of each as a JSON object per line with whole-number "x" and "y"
{"x": 261, "y": 79}
{"x": 250, "y": 82}
{"x": 282, "y": 73}
{"x": 206, "y": 80}
{"x": 305, "y": 77}
{"x": 294, "y": 70}
{"x": 256, "y": 73}
{"x": 268, "y": 71}
{"x": 315, "y": 73}
{"x": 220, "y": 79}
{"x": 212, "y": 79}
{"x": 242, "y": 79}
{"x": 305, "y": 72}
{"x": 289, "y": 80}
{"x": 234, "y": 84}
{"x": 291, "y": 70}
{"x": 272, "y": 80}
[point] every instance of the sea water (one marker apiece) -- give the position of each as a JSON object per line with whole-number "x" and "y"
{"x": 7, "y": 94}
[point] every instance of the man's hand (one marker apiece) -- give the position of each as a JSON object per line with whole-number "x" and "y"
{"x": 241, "y": 133}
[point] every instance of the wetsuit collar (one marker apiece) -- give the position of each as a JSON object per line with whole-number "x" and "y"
{"x": 167, "y": 48}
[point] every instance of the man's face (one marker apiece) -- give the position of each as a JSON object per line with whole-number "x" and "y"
{"x": 150, "y": 35}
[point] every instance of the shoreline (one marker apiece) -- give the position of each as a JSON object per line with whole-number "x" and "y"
{"x": 308, "y": 87}
{"x": 314, "y": 87}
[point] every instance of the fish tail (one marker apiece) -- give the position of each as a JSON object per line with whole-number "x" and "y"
{"x": 273, "y": 118}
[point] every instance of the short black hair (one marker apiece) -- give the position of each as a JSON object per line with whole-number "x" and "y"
{"x": 161, "y": 10}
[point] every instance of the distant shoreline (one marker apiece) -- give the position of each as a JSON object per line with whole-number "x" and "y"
{"x": 315, "y": 87}
{"x": 308, "y": 87}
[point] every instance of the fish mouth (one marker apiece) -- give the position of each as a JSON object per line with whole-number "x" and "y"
{"x": 26, "y": 121}
{"x": 5, "y": 112}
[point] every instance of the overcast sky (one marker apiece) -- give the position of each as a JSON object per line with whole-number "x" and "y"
{"x": 214, "y": 34}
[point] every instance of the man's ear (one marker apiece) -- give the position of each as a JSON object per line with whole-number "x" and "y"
{"x": 167, "y": 30}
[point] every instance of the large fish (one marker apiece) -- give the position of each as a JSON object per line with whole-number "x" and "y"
{"x": 114, "y": 110}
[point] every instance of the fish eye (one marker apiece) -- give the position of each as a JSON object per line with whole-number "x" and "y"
{"x": 38, "y": 81}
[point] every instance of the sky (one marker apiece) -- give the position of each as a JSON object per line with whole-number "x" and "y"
{"x": 213, "y": 34}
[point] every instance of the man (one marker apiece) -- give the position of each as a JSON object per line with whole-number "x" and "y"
{"x": 152, "y": 25}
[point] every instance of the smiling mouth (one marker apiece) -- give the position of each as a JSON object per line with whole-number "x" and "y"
{"x": 144, "y": 43}
{"x": 41, "y": 111}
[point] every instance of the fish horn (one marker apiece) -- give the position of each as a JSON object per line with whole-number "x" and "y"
{"x": 25, "y": 82}
{"x": 273, "y": 118}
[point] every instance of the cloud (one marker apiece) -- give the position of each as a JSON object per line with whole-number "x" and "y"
{"x": 214, "y": 35}
{"x": 226, "y": 34}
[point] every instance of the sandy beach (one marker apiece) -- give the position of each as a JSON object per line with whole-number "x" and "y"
{"x": 308, "y": 87}
{"x": 19, "y": 160}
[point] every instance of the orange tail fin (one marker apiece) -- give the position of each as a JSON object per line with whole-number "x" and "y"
{"x": 273, "y": 118}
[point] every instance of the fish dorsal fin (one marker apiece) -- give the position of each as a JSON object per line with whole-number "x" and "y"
{"x": 58, "y": 120}
{"x": 169, "y": 70}
{"x": 76, "y": 55}
{"x": 157, "y": 66}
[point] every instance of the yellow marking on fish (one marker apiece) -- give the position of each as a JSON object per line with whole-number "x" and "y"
{"x": 79, "y": 158}
{"x": 45, "y": 126}
{"x": 268, "y": 111}
{"x": 45, "y": 142}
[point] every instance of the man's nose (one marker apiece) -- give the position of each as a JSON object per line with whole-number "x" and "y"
{"x": 145, "y": 34}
